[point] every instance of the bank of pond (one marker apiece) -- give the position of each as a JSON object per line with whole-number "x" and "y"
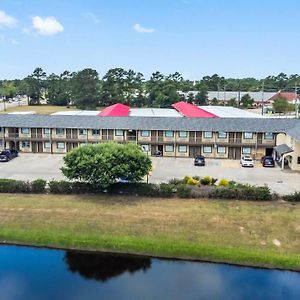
{"x": 38, "y": 273}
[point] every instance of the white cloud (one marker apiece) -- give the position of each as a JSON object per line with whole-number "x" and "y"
{"x": 46, "y": 26}
{"x": 92, "y": 17}
{"x": 6, "y": 20}
{"x": 139, "y": 28}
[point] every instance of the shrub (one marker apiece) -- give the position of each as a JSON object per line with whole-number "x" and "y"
{"x": 196, "y": 178}
{"x": 82, "y": 188}
{"x": 295, "y": 197}
{"x": 166, "y": 190}
{"x": 192, "y": 181}
{"x": 183, "y": 191}
{"x": 206, "y": 180}
{"x": 176, "y": 181}
{"x": 213, "y": 181}
{"x": 186, "y": 179}
{"x": 223, "y": 182}
{"x": 14, "y": 186}
{"x": 60, "y": 187}
{"x": 246, "y": 192}
{"x": 38, "y": 186}
{"x": 138, "y": 189}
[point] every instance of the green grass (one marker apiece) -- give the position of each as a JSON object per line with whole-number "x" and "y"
{"x": 193, "y": 229}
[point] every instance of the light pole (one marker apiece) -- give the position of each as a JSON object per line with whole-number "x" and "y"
{"x": 147, "y": 151}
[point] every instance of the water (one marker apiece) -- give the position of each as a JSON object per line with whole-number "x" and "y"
{"x": 29, "y": 273}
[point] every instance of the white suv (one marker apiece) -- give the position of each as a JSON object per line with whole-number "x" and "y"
{"x": 247, "y": 161}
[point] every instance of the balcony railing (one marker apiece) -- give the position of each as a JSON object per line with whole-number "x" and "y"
{"x": 235, "y": 140}
{"x": 107, "y": 137}
{"x": 36, "y": 135}
{"x": 131, "y": 138}
{"x": 157, "y": 138}
{"x": 12, "y": 135}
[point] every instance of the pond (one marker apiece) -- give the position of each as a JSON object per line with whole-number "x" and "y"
{"x": 35, "y": 274}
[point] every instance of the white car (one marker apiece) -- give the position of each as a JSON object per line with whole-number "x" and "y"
{"x": 247, "y": 161}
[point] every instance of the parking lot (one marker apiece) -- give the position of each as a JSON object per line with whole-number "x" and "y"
{"x": 33, "y": 166}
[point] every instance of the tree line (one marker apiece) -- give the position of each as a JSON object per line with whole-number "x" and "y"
{"x": 86, "y": 90}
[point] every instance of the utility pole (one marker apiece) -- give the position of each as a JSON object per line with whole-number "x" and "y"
{"x": 262, "y": 97}
{"x": 224, "y": 95}
{"x": 218, "y": 92}
{"x": 296, "y": 101}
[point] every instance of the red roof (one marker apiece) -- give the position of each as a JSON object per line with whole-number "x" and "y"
{"x": 192, "y": 111}
{"x": 290, "y": 96}
{"x": 116, "y": 110}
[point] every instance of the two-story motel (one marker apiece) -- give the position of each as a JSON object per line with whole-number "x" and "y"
{"x": 184, "y": 136}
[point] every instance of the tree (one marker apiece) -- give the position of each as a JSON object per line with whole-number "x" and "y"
{"x": 247, "y": 101}
{"x": 281, "y": 105}
{"x": 7, "y": 89}
{"x": 85, "y": 89}
{"x": 102, "y": 164}
{"x": 190, "y": 98}
{"x": 201, "y": 98}
{"x": 35, "y": 85}
{"x": 58, "y": 89}
{"x": 232, "y": 102}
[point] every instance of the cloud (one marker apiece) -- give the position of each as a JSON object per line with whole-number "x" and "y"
{"x": 46, "y": 26}
{"x": 92, "y": 17}
{"x": 139, "y": 28}
{"x": 6, "y": 20}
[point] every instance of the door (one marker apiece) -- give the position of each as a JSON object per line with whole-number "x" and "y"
{"x": 230, "y": 152}
{"x": 259, "y": 138}
{"x": 238, "y": 138}
{"x": 75, "y": 134}
{"x": 194, "y": 150}
{"x": 192, "y": 136}
{"x": 40, "y": 147}
{"x": 154, "y": 136}
{"x": 238, "y": 153}
{"x": 39, "y": 133}
{"x": 34, "y": 148}
{"x": 160, "y": 136}
{"x": 231, "y": 138}
{"x": 68, "y": 133}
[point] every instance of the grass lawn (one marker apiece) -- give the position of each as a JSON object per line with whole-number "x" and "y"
{"x": 225, "y": 231}
{"x": 39, "y": 109}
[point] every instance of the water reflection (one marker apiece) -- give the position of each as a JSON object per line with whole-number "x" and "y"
{"x": 104, "y": 266}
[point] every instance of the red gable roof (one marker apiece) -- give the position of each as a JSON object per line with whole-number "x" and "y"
{"x": 290, "y": 96}
{"x": 116, "y": 110}
{"x": 192, "y": 111}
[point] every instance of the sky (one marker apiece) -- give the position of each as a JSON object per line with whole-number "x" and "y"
{"x": 233, "y": 38}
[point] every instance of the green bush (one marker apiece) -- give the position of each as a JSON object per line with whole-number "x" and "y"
{"x": 166, "y": 190}
{"x": 295, "y": 197}
{"x": 206, "y": 180}
{"x": 60, "y": 187}
{"x": 14, "y": 186}
{"x": 138, "y": 189}
{"x": 246, "y": 192}
{"x": 38, "y": 186}
{"x": 183, "y": 191}
{"x": 223, "y": 182}
{"x": 176, "y": 181}
{"x": 82, "y": 188}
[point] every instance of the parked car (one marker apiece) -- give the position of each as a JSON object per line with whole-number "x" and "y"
{"x": 5, "y": 155}
{"x": 199, "y": 160}
{"x": 13, "y": 152}
{"x": 247, "y": 161}
{"x": 268, "y": 161}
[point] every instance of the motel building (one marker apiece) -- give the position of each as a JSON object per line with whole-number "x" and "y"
{"x": 185, "y": 130}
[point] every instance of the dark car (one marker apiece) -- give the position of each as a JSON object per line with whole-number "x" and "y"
{"x": 268, "y": 161}
{"x": 13, "y": 152}
{"x": 7, "y": 155}
{"x": 199, "y": 160}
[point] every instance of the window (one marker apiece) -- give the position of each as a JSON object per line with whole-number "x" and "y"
{"x": 207, "y": 149}
{"x": 60, "y": 131}
{"x": 145, "y": 148}
{"x": 246, "y": 150}
{"x": 183, "y": 134}
{"x": 25, "y": 130}
{"x": 47, "y": 145}
{"x": 208, "y": 134}
{"x": 96, "y": 132}
{"x": 221, "y": 150}
{"x": 46, "y": 130}
{"x": 82, "y": 131}
{"x": 169, "y": 148}
{"x": 248, "y": 135}
{"x": 222, "y": 135}
{"x": 60, "y": 145}
{"x": 25, "y": 144}
{"x": 145, "y": 133}
{"x": 182, "y": 149}
{"x": 119, "y": 132}
{"x": 269, "y": 136}
{"x": 169, "y": 133}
